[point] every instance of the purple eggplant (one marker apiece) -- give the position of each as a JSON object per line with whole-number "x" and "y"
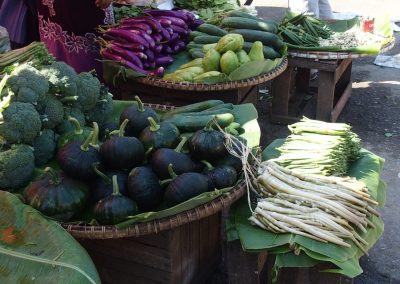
{"x": 157, "y": 37}
{"x": 149, "y": 54}
{"x": 173, "y": 21}
{"x": 154, "y": 24}
{"x": 179, "y": 30}
{"x": 126, "y": 54}
{"x": 164, "y": 60}
{"x": 130, "y": 46}
{"x": 160, "y": 13}
{"x": 149, "y": 39}
{"x": 166, "y": 49}
{"x": 111, "y": 56}
{"x": 137, "y": 26}
{"x": 128, "y": 35}
{"x": 197, "y": 22}
{"x": 175, "y": 37}
{"x": 157, "y": 49}
{"x": 164, "y": 22}
{"x": 170, "y": 31}
{"x": 165, "y": 34}
{"x": 149, "y": 65}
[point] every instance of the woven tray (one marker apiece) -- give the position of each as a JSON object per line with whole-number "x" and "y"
{"x": 187, "y": 86}
{"x": 327, "y": 55}
{"x": 158, "y": 225}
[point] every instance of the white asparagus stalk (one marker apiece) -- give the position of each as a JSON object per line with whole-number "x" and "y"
{"x": 303, "y": 209}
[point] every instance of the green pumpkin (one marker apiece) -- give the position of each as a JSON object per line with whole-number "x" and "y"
{"x": 115, "y": 208}
{"x": 56, "y": 195}
{"x": 78, "y": 133}
{"x": 207, "y": 144}
{"x": 156, "y": 136}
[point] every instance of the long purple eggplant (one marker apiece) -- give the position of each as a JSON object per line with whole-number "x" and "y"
{"x": 137, "y": 26}
{"x": 175, "y": 37}
{"x": 173, "y": 21}
{"x": 165, "y": 34}
{"x": 158, "y": 13}
{"x": 164, "y": 21}
{"x": 150, "y": 55}
{"x": 114, "y": 38}
{"x": 164, "y": 60}
{"x": 128, "y": 35}
{"x": 126, "y": 54}
{"x": 149, "y": 39}
{"x": 157, "y": 37}
{"x": 111, "y": 56}
{"x": 179, "y": 30}
{"x": 154, "y": 24}
{"x": 130, "y": 46}
{"x": 149, "y": 65}
{"x": 166, "y": 49}
{"x": 157, "y": 49}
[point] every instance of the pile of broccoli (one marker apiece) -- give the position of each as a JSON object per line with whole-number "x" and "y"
{"x": 34, "y": 110}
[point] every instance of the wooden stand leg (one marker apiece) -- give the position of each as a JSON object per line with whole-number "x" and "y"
{"x": 326, "y": 91}
{"x": 303, "y": 79}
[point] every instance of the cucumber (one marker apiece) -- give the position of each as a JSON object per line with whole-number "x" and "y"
{"x": 237, "y": 13}
{"x": 267, "y": 38}
{"x": 192, "y": 44}
{"x": 196, "y": 53}
{"x": 194, "y": 34}
{"x": 269, "y": 52}
{"x": 227, "y": 105}
{"x": 250, "y": 24}
{"x": 212, "y": 30}
{"x": 192, "y": 108}
{"x": 194, "y": 123}
{"x": 208, "y": 112}
{"x": 206, "y": 39}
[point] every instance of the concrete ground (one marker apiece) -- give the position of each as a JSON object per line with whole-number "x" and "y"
{"x": 374, "y": 112}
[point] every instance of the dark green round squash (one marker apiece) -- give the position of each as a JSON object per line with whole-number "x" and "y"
{"x": 77, "y": 158}
{"x": 156, "y": 136}
{"x": 207, "y": 144}
{"x": 184, "y": 186}
{"x": 57, "y": 195}
{"x": 137, "y": 116}
{"x": 145, "y": 188}
{"x": 78, "y": 133}
{"x": 120, "y": 152}
{"x": 181, "y": 162}
{"x": 220, "y": 177}
{"x": 115, "y": 208}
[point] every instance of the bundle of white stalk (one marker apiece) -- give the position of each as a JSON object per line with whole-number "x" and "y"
{"x": 324, "y": 208}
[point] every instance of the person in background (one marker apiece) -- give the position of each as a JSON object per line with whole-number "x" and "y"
{"x": 68, "y": 28}
{"x": 19, "y": 18}
{"x": 315, "y": 8}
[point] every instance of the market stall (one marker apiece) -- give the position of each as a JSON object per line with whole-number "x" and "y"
{"x": 136, "y": 186}
{"x": 326, "y": 48}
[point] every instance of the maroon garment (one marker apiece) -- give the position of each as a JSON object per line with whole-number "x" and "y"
{"x": 68, "y": 28}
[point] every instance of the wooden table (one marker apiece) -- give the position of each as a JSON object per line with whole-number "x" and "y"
{"x": 334, "y": 87}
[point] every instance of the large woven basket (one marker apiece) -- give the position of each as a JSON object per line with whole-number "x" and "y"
{"x": 327, "y": 55}
{"x": 187, "y": 86}
{"x": 158, "y": 225}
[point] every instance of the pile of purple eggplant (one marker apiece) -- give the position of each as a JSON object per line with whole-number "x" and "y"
{"x": 146, "y": 43}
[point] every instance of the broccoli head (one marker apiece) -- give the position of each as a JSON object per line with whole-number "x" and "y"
{"x": 62, "y": 78}
{"x": 16, "y": 167}
{"x": 44, "y": 147}
{"x": 21, "y": 123}
{"x": 65, "y": 125}
{"x": 27, "y": 84}
{"x": 103, "y": 108}
{"x": 88, "y": 90}
{"x": 51, "y": 111}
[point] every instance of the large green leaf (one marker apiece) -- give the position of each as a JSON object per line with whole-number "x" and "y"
{"x": 36, "y": 250}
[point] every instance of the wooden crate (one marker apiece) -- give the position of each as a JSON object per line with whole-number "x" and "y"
{"x": 159, "y": 95}
{"x": 185, "y": 254}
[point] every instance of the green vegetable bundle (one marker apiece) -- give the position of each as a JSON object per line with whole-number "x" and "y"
{"x": 319, "y": 147}
{"x": 208, "y": 8}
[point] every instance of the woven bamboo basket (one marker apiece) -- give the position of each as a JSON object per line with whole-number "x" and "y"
{"x": 187, "y": 86}
{"x": 158, "y": 225}
{"x": 326, "y": 55}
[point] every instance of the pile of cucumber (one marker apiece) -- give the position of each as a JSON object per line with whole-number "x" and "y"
{"x": 250, "y": 27}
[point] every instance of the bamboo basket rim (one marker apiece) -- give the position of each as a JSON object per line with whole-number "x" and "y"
{"x": 331, "y": 55}
{"x": 153, "y": 81}
{"x": 158, "y": 225}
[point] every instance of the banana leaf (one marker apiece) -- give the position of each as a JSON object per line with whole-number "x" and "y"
{"x": 34, "y": 249}
{"x": 286, "y": 246}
